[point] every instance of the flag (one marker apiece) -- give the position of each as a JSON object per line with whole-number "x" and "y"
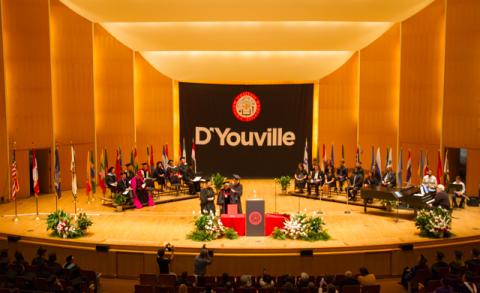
{"x": 378, "y": 164}
{"x": 120, "y": 158}
{"x": 439, "y": 169}
{"x": 15, "y": 186}
{"x": 357, "y": 154}
{"x": 343, "y": 153}
{"x": 101, "y": 172}
{"x": 152, "y": 162}
{"x": 184, "y": 150}
{"x": 389, "y": 158}
{"x": 426, "y": 165}
{"x": 305, "y": 156}
{"x": 56, "y": 174}
{"x": 36, "y": 186}
{"x": 73, "y": 170}
{"x": 332, "y": 156}
{"x": 420, "y": 166}
{"x": 166, "y": 151}
{"x": 132, "y": 158}
{"x": 324, "y": 158}
{"x": 164, "y": 156}
{"x": 179, "y": 150}
{"x": 148, "y": 156}
{"x": 400, "y": 169}
{"x": 446, "y": 169}
{"x": 409, "y": 169}
{"x": 135, "y": 159}
{"x": 193, "y": 155}
{"x": 118, "y": 165}
{"x": 372, "y": 164}
{"x": 88, "y": 183}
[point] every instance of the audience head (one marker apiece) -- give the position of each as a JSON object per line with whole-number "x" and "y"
{"x": 161, "y": 252}
{"x": 458, "y": 254}
{"x": 348, "y": 274}
{"x": 18, "y": 256}
{"x": 41, "y": 251}
{"x": 184, "y": 275}
{"x": 52, "y": 257}
{"x": 422, "y": 260}
{"x": 475, "y": 252}
{"x": 458, "y": 178}
{"x": 364, "y": 271}
{"x": 331, "y": 288}
{"x": 342, "y": 162}
{"x": 304, "y": 276}
{"x": 69, "y": 259}
{"x": 429, "y": 172}
{"x": 245, "y": 280}
{"x": 267, "y": 278}
{"x": 440, "y": 255}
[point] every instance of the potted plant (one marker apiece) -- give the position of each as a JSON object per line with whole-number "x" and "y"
{"x": 119, "y": 200}
{"x": 388, "y": 204}
{"x": 217, "y": 181}
{"x": 284, "y": 182}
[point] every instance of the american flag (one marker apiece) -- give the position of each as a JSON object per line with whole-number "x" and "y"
{"x": 15, "y": 186}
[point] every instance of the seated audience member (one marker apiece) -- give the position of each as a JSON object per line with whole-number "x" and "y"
{"x": 366, "y": 278}
{"x": 52, "y": 264}
{"x": 348, "y": 280}
{"x": 164, "y": 260}
{"x": 468, "y": 284}
{"x": 300, "y": 177}
{"x": 457, "y": 266}
{"x": 183, "y": 279}
{"x": 315, "y": 179}
{"x": 73, "y": 271}
{"x": 410, "y": 273}
{"x": 446, "y": 287}
{"x": 266, "y": 281}
{"x": 330, "y": 289}
{"x": 459, "y": 193}
{"x": 473, "y": 264}
{"x": 439, "y": 266}
{"x": 429, "y": 180}
{"x": 111, "y": 180}
{"x": 4, "y": 261}
{"x": 19, "y": 264}
{"x": 325, "y": 283}
{"x": 304, "y": 280}
{"x": 223, "y": 279}
{"x": 341, "y": 175}
{"x": 39, "y": 260}
{"x": 245, "y": 282}
{"x": 229, "y": 287}
{"x": 441, "y": 198}
{"x": 389, "y": 179}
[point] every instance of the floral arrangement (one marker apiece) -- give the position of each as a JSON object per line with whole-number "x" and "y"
{"x": 209, "y": 227}
{"x": 436, "y": 222}
{"x": 303, "y": 227}
{"x": 284, "y": 182}
{"x": 65, "y": 226}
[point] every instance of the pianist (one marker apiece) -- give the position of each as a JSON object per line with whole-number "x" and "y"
{"x": 430, "y": 181}
{"x": 441, "y": 198}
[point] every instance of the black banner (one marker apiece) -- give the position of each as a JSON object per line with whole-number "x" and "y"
{"x": 256, "y": 131}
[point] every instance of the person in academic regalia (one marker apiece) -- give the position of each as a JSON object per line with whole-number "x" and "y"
{"x": 207, "y": 198}
{"x": 188, "y": 177}
{"x": 223, "y": 199}
{"x": 342, "y": 175}
{"x": 182, "y": 169}
{"x": 315, "y": 178}
{"x": 146, "y": 171}
{"x": 300, "y": 177}
{"x": 147, "y": 177}
{"x": 371, "y": 180}
{"x": 111, "y": 180}
{"x": 173, "y": 174}
{"x": 130, "y": 172}
{"x": 140, "y": 193}
{"x": 237, "y": 192}
{"x": 123, "y": 186}
{"x": 159, "y": 175}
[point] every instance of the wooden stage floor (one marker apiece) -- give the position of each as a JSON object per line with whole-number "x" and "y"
{"x": 151, "y": 227}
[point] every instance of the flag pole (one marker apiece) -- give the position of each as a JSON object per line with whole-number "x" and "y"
{"x": 36, "y": 195}
{"x": 36, "y": 203}
{"x": 15, "y": 219}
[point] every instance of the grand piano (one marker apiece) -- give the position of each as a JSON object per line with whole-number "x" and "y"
{"x": 411, "y": 196}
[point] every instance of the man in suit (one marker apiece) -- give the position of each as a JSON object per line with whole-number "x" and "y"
{"x": 342, "y": 174}
{"x": 441, "y": 198}
{"x": 315, "y": 178}
{"x": 237, "y": 192}
{"x": 207, "y": 197}
{"x": 356, "y": 182}
{"x": 389, "y": 179}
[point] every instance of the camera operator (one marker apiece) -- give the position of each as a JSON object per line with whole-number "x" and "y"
{"x": 163, "y": 259}
{"x": 202, "y": 261}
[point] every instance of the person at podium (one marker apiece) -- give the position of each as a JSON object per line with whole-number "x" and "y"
{"x": 223, "y": 199}
{"x": 430, "y": 181}
{"x": 207, "y": 197}
{"x": 237, "y": 192}
{"x": 389, "y": 179}
{"x": 342, "y": 175}
{"x": 300, "y": 177}
{"x": 315, "y": 178}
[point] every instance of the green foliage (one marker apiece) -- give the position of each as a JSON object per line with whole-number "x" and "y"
{"x": 231, "y": 234}
{"x": 388, "y": 204}
{"x": 284, "y": 181}
{"x": 303, "y": 227}
{"x": 278, "y": 234}
{"x": 217, "y": 180}
{"x": 65, "y": 226}
{"x": 199, "y": 235}
{"x": 434, "y": 223}
{"x": 119, "y": 199}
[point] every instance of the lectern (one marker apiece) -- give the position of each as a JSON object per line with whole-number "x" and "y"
{"x": 255, "y": 218}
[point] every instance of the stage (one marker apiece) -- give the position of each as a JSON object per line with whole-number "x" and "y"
{"x": 143, "y": 231}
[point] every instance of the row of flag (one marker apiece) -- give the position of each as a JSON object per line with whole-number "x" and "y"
{"x": 91, "y": 183}
{"x": 442, "y": 171}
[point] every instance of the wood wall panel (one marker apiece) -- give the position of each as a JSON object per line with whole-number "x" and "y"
{"x": 153, "y": 109}
{"x": 4, "y": 162}
{"x": 461, "y": 126}
{"x": 114, "y": 92}
{"x": 72, "y": 88}
{"x": 338, "y": 111}
{"x": 27, "y": 76}
{"x": 421, "y": 82}
{"x": 379, "y": 95}
{"x": 473, "y": 172}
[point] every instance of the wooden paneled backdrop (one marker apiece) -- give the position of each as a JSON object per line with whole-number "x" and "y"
{"x": 66, "y": 80}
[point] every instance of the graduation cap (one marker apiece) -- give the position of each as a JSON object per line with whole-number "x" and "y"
{"x": 226, "y": 182}
{"x": 144, "y": 164}
{"x": 128, "y": 164}
{"x": 236, "y": 177}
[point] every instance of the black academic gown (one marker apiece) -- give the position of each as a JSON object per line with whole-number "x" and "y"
{"x": 223, "y": 200}
{"x": 207, "y": 196}
{"x": 236, "y": 196}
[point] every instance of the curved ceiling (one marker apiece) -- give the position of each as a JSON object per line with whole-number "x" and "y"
{"x": 250, "y": 41}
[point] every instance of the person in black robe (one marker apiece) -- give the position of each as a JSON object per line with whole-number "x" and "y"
{"x": 300, "y": 177}
{"x": 223, "y": 199}
{"x": 371, "y": 180}
{"x": 207, "y": 198}
{"x": 237, "y": 192}
{"x": 124, "y": 187}
{"x": 159, "y": 175}
{"x": 130, "y": 172}
{"x": 356, "y": 182}
{"x": 111, "y": 180}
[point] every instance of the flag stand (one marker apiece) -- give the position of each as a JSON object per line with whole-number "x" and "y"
{"x": 75, "y": 204}
{"x": 56, "y": 203}
{"x": 15, "y": 219}
{"x": 347, "y": 211}
{"x": 36, "y": 205}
